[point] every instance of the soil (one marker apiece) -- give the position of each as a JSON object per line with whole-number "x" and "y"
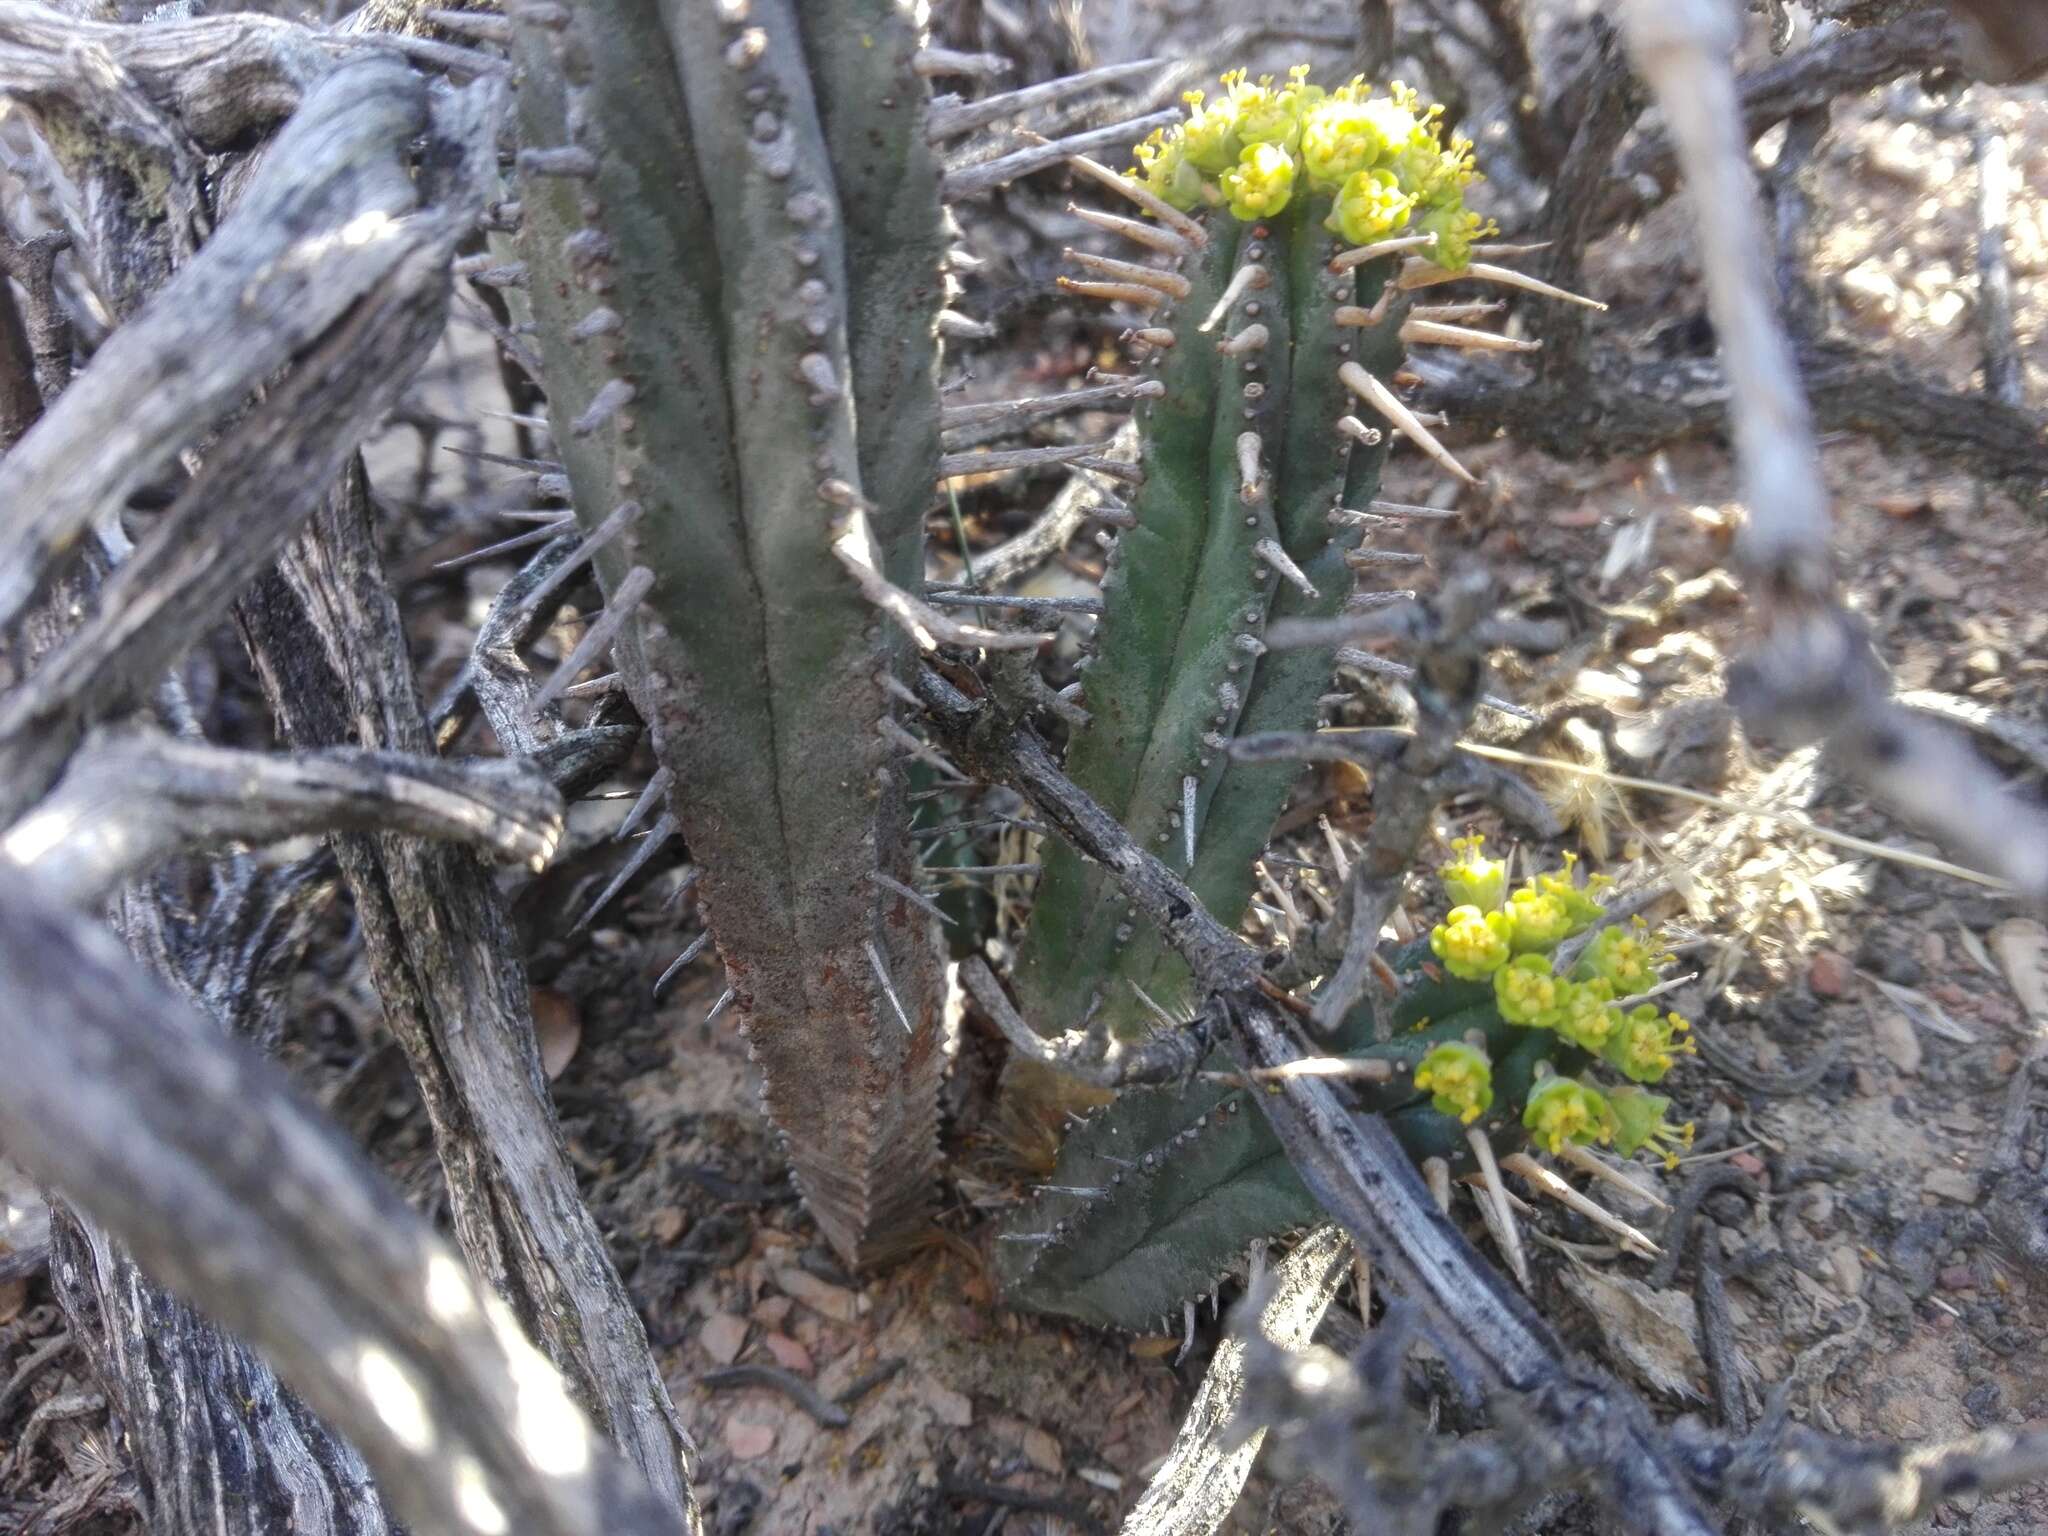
{"x": 1873, "y": 1277}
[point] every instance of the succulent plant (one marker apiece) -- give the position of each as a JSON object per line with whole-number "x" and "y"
{"x": 1156, "y": 1196}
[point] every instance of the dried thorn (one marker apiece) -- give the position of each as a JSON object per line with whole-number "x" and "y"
{"x": 557, "y": 517}
{"x": 888, "y": 990}
{"x": 504, "y": 546}
{"x": 897, "y": 736}
{"x": 978, "y": 463}
{"x": 1431, "y": 333}
{"x": 1153, "y": 1007}
{"x": 1360, "y": 1070}
{"x": 596, "y": 685}
{"x": 650, "y": 845}
{"x": 656, "y": 788}
{"x": 1411, "y": 509}
{"x": 959, "y": 327}
{"x": 972, "y": 180}
{"x": 1114, "y": 469}
{"x": 1358, "y": 431}
{"x": 961, "y": 260}
{"x": 1269, "y": 550}
{"x": 897, "y": 689}
{"x": 1502, "y": 1225}
{"x": 620, "y": 518}
{"x": 1474, "y": 309}
{"x": 1168, "y": 215}
{"x": 725, "y": 1001}
{"x": 1250, "y": 485}
{"x": 1250, "y": 275}
{"x": 924, "y": 624}
{"x": 545, "y": 14}
{"x": 1417, "y": 273}
{"x": 951, "y": 119}
{"x": 1154, "y": 236}
{"x": 1129, "y": 293}
{"x": 1023, "y": 604}
{"x": 511, "y": 274}
{"x": 612, "y": 397}
{"x": 1160, "y": 336}
{"x": 1500, "y": 248}
{"x": 510, "y": 461}
{"x": 912, "y": 895}
{"x": 964, "y": 871}
{"x": 1544, "y": 1182}
{"x": 1252, "y": 338}
{"x": 1187, "y": 1332}
{"x": 571, "y": 160}
{"x": 1189, "y": 784}
{"x": 1169, "y": 283}
{"x": 638, "y": 583}
{"x": 933, "y": 62}
{"x": 1588, "y": 1162}
{"x": 1005, "y": 412}
{"x": 1357, "y": 315}
{"x": 675, "y": 967}
{"x": 1358, "y": 256}
{"x": 1078, "y": 1191}
{"x": 1362, "y": 559}
{"x": 1391, "y": 406}
{"x": 1116, "y": 516}
{"x": 1025, "y": 1237}
{"x": 1436, "y": 1173}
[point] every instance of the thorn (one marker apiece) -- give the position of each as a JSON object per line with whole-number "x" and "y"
{"x": 1498, "y": 248}
{"x": 1360, "y": 559}
{"x": 476, "y": 24}
{"x": 1589, "y": 1162}
{"x": 599, "y": 322}
{"x": 612, "y": 397}
{"x": 1352, "y": 427}
{"x": 1340, "y": 861}
{"x": 1411, "y": 509}
{"x": 638, "y": 583}
{"x": 1249, "y": 446}
{"x": 1544, "y": 1182}
{"x": 1431, "y": 333}
{"x": 725, "y": 1001}
{"x": 888, "y": 991}
{"x": 1252, "y": 338}
{"x": 1502, "y": 1224}
{"x": 542, "y": 535}
{"x": 1250, "y": 275}
{"x": 816, "y": 369}
{"x": 1269, "y": 550}
{"x": 974, "y": 179}
{"x": 511, "y": 274}
{"x": 931, "y": 62}
{"x": 1188, "y": 1331}
{"x": 570, "y": 160}
{"x": 596, "y": 685}
{"x": 1116, "y": 515}
{"x": 1155, "y": 236}
{"x": 620, "y": 518}
{"x": 897, "y": 736}
{"x": 1390, "y": 405}
{"x": 1358, "y": 256}
{"x": 953, "y": 118}
{"x": 1171, "y": 283}
{"x": 978, "y": 463}
{"x": 1417, "y": 273}
{"x": 1436, "y": 1173}
{"x": 539, "y": 13}
{"x": 1129, "y": 293}
{"x": 1025, "y": 1237}
{"x": 963, "y": 327}
{"x": 897, "y": 689}
{"x": 1472, "y": 310}
{"x": 651, "y": 844}
{"x": 1078, "y": 1191}
{"x": 1168, "y": 215}
{"x": 1006, "y": 412}
{"x": 675, "y": 967}
{"x": 1188, "y": 785}
{"x": 1160, "y": 336}
{"x": 656, "y": 788}
{"x": 912, "y": 895}
{"x": 1153, "y": 1007}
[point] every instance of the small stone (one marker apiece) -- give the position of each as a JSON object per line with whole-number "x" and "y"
{"x": 749, "y": 1442}
{"x": 1749, "y": 1163}
{"x": 1043, "y": 1452}
{"x": 1896, "y": 1038}
{"x": 1952, "y": 1184}
{"x": 2005, "y": 1061}
{"x": 789, "y": 1354}
{"x": 668, "y": 1224}
{"x": 723, "y": 1336}
{"x": 1957, "y": 1277}
{"x": 953, "y": 1409}
{"x": 833, "y": 1301}
{"x": 1827, "y": 973}
{"x": 773, "y": 1311}
{"x": 1848, "y": 1267}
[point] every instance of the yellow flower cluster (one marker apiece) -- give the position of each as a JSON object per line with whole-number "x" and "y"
{"x": 1381, "y": 160}
{"x": 1563, "y": 1109}
{"x": 1459, "y": 1079}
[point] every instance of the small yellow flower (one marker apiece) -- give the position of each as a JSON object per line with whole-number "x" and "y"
{"x": 1472, "y": 944}
{"x": 1371, "y": 206}
{"x": 1455, "y": 229}
{"x": 1643, "y": 1048}
{"x": 1639, "y": 1122}
{"x": 1623, "y": 957}
{"x": 1261, "y": 183}
{"x": 1163, "y": 167}
{"x": 1587, "y": 1017}
{"x": 1525, "y": 992}
{"x": 1472, "y": 879}
{"x": 1563, "y": 1110}
{"x": 1338, "y": 140}
{"x": 1459, "y": 1079}
{"x": 1541, "y": 922}
{"x": 1209, "y": 137}
{"x": 1267, "y": 116}
{"x": 1581, "y": 903}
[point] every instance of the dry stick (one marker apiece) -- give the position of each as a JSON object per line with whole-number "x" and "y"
{"x": 1813, "y": 674}
{"x": 2004, "y": 379}
{"x": 1353, "y": 1165}
{"x": 194, "y": 1152}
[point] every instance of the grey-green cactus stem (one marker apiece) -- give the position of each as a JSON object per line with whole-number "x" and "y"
{"x": 1244, "y": 461}
{"x": 731, "y": 225}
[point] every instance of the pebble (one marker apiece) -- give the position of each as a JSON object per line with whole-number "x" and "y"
{"x": 1827, "y": 973}
{"x": 1848, "y": 1267}
{"x": 1952, "y": 1184}
{"x": 1958, "y": 1277}
{"x": 723, "y": 1336}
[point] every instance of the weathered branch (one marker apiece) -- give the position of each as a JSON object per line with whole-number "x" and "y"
{"x": 197, "y": 1156}
{"x": 131, "y": 800}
